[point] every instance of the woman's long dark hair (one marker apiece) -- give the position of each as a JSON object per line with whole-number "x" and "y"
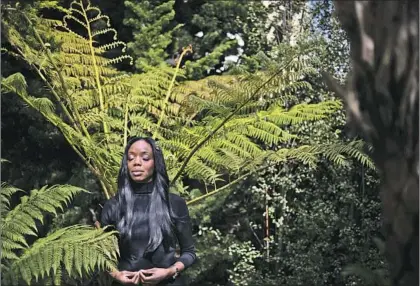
{"x": 158, "y": 212}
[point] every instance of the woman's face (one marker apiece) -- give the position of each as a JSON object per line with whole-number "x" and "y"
{"x": 141, "y": 164}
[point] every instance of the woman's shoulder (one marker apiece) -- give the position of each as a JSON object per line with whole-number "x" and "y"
{"x": 111, "y": 202}
{"x": 178, "y": 204}
{"x": 175, "y": 198}
{"x": 109, "y": 211}
{"x": 110, "y": 205}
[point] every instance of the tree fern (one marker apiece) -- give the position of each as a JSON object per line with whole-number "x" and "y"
{"x": 201, "y": 125}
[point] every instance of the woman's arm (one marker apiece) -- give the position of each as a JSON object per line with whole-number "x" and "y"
{"x": 108, "y": 219}
{"x": 176, "y": 268}
{"x": 183, "y": 231}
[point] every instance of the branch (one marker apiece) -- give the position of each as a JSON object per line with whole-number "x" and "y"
{"x": 126, "y": 119}
{"x": 168, "y": 94}
{"x": 98, "y": 82}
{"x": 222, "y": 188}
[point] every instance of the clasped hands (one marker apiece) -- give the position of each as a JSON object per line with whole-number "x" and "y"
{"x": 146, "y": 277}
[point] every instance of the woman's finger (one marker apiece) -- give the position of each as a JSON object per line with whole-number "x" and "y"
{"x": 148, "y": 271}
{"x": 136, "y": 278}
{"x": 124, "y": 279}
{"x": 143, "y": 277}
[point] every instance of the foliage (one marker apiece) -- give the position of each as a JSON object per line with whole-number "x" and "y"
{"x": 39, "y": 153}
{"x": 206, "y": 123}
{"x": 150, "y": 22}
{"x": 244, "y": 266}
{"x": 375, "y": 277}
{"x": 77, "y": 250}
{"x": 161, "y": 29}
{"x": 210, "y": 269}
{"x": 336, "y": 52}
{"x": 217, "y": 31}
{"x": 236, "y": 114}
{"x": 288, "y": 141}
{"x": 316, "y": 233}
{"x": 320, "y": 219}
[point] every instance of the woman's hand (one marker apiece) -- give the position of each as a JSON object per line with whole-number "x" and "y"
{"x": 151, "y": 276}
{"x": 125, "y": 277}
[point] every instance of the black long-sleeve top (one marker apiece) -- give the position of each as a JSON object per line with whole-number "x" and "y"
{"x": 131, "y": 252}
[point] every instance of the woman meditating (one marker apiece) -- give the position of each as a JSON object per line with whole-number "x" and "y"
{"x": 150, "y": 220}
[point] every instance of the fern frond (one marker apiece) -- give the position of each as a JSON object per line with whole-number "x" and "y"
{"x": 105, "y": 31}
{"x": 306, "y": 154}
{"x": 120, "y": 59}
{"x": 198, "y": 169}
{"x": 21, "y": 221}
{"x": 68, "y": 246}
{"x": 299, "y": 113}
{"x": 6, "y": 193}
{"x": 113, "y": 45}
{"x": 231, "y": 147}
{"x": 235, "y": 160}
{"x": 71, "y": 17}
{"x": 14, "y": 83}
{"x": 175, "y": 146}
{"x": 339, "y": 153}
{"x": 243, "y": 142}
{"x": 42, "y": 104}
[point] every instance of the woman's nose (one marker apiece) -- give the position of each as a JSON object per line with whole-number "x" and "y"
{"x": 137, "y": 161}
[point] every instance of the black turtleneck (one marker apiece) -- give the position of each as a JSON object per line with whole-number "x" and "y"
{"x": 131, "y": 253}
{"x": 142, "y": 188}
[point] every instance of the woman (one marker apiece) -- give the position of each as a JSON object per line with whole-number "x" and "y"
{"x": 149, "y": 219}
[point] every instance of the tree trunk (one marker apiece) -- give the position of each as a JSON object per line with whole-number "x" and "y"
{"x": 382, "y": 104}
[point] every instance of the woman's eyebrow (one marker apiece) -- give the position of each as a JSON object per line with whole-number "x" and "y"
{"x": 142, "y": 152}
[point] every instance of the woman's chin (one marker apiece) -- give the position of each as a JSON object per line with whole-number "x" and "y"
{"x": 140, "y": 179}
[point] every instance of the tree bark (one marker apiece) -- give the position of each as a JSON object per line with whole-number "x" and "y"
{"x": 382, "y": 103}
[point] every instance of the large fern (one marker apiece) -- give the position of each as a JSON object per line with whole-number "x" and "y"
{"x": 202, "y": 125}
{"x": 73, "y": 249}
